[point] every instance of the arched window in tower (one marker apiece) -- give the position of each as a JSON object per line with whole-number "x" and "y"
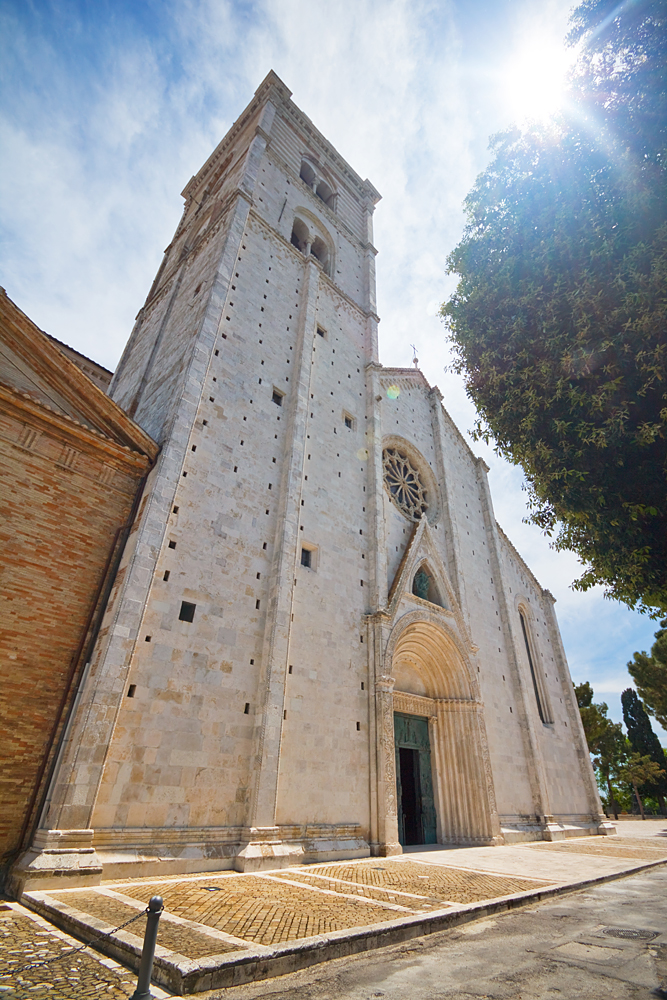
{"x": 308, "y": 175}
{"x": 324, "y": 192}
{"x": 320, "y": 187}
{"x": 403, "y": 484}
{"x": 320, "y": 250}
{"x": 538, "y": 686}
{"x": 300, "y": 236}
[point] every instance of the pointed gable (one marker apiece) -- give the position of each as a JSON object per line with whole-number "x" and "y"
{"x": 32, "y": 368}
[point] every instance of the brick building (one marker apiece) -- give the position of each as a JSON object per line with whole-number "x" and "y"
{"x": 71, "y": 464}
{"x": 321, "y": 644}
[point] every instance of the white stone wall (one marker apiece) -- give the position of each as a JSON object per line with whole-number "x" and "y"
{"x": 539, "y": 769}
{"x": 194, "y": 680}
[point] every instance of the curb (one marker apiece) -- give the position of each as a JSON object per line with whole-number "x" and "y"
{"x": 185, "y": 976}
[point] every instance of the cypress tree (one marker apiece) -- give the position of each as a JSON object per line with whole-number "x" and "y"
{"x": 644, "y": 741}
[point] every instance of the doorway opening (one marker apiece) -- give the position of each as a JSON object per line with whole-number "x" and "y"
{"x": 416, "y": 806}
{"x": 411, "y": 812}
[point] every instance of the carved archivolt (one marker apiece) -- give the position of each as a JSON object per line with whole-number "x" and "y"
{"x": 451, "y": 674}
{"x": 463, "y": 781}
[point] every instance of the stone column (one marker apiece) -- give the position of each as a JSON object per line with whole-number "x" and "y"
{"x": 468, "y": 802}
{"x": 387, "y": 814}
{"x": 379, "y": 583}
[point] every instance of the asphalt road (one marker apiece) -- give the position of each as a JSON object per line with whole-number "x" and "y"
{"x": 556, "y": 950}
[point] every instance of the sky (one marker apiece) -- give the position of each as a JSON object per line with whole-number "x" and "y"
{"x": 110, "y": 106}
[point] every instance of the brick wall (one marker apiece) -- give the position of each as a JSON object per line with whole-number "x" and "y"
{"x": 65, "y": 493}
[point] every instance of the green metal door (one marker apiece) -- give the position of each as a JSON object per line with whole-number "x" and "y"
{"x": 414, "y": 782}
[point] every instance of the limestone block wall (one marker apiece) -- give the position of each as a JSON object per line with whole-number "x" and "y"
{"x": 533, "y": 762}
{"x": 562, "y": 746}
{"x": 324, "y": 749}
{"x": 204, "y": 683}
{"x": 461, "y": 524}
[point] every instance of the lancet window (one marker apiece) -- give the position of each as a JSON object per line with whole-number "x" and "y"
{"x": 538, "y": 687}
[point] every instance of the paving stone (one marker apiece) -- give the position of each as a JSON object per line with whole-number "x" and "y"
{"x": 176, "y": 937}
{"x": 436, "y": 882}
{"x": 259, "y": 909}
{"x": 297, "y": 902}
{"x": 642, "y": 850}
{"x": 23, "y": 940}
{"x": 288, "y": 905}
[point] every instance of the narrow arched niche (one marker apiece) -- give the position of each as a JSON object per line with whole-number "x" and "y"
{"x": 425, "y": 587}
{"x": 324, "y": 192}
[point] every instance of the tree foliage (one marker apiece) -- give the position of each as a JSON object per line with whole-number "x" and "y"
{"x": 645, "y": 743}
{"x": 558, "y": 321}
{"x": 606, "y": 741}
{"x": 649, "y": 672}
{"x": 640, "y": 771}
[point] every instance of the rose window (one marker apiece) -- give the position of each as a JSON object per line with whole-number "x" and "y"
{"x": 403, "y": 484}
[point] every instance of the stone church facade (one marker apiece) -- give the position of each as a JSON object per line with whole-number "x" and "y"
{"x": 319, "y": 643}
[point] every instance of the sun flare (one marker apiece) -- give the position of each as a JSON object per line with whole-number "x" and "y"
{"x": 534, "y": 79}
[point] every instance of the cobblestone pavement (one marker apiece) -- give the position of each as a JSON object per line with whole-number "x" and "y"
{"x": 26, "y": 939}
{"x": 435, "y": 883}
{"x": 286, "y": 905}
{"x": 608, "y": 942}
{"x": 219, "y": 914}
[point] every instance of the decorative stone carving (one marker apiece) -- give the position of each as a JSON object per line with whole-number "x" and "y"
{"x": 403, "y": 483}
{"x": 387, "y": 744}
{"x": 414, "y": 704}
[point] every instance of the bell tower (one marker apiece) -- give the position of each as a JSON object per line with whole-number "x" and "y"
{"x": 231, "y": 660}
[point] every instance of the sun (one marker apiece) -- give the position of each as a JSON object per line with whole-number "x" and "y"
{"x": 534, "y": 78}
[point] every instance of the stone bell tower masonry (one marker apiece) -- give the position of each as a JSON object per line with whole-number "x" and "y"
{"x": 247, "y": 364}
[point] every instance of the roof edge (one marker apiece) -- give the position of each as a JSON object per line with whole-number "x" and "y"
{"x": 33, "y": 344}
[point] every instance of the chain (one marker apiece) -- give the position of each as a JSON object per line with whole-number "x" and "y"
{"x": 74, "y": 951}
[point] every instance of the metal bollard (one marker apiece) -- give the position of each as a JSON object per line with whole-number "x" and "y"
{"x": 143, "y": 990}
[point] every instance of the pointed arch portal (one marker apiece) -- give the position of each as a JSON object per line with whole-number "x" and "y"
{"x": 443, "y": 783}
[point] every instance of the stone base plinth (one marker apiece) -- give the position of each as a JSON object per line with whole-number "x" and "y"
{"x": 57, "y": 858}
{"x": 64, "y": 858}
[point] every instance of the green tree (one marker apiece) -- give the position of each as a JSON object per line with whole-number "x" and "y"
{"x": 645, "y": 743}
{"x": 557, "y": 323}
{"x": 649, "y": 672}
{"x": 607, "y": 744}
{"x": 640, "y": 771}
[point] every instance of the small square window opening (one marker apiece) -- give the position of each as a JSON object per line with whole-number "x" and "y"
{"x": 187, "y": 612}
